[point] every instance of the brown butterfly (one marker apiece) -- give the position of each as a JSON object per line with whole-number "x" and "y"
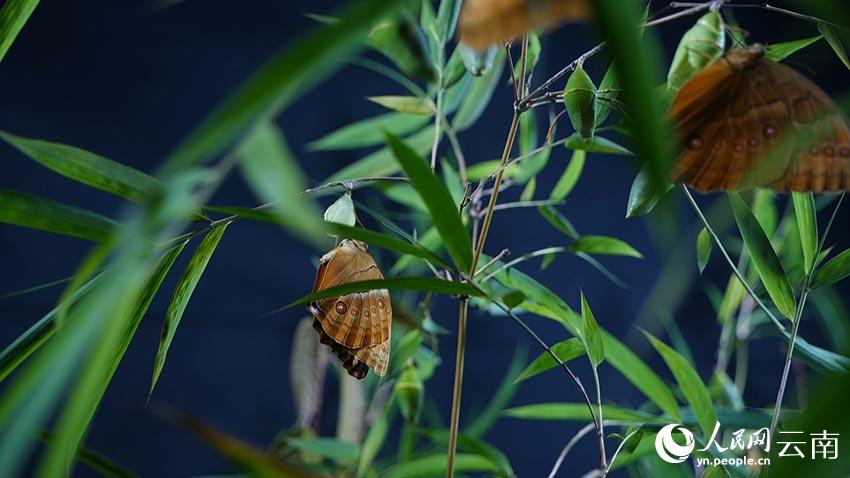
{"x": 356, "y": 326}
{"x": 746, "y": 121}
{"x": 485, "y": 22}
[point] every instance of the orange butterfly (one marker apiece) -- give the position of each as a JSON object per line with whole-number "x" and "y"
{"x": 356, "y": 326}
{"x": 485, "y": 22}
{"x": 746, "y": 121}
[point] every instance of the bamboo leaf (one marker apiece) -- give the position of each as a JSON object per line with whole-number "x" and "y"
{"x": 406, "y": 104}
{"x": 328, "y": 447}
{"x": 704, "y": 247}
{"x": 578, "y": 412}
{"x": 47, "y": 215}
{"x": 13, "y": 16}
{"x": 556, "y": 219}
{"x": 444, "y": 212}
{"x": 591, "y": 335}
{"x": 692, "y": 386}
{"x": 435, "y": 465}
{"x": 570, "y": 176}
{"x": 807, "y": 222}
{"x": 835, "y": 42}
{"x": 82, "y": 404}
{"x": 780, "y": 51}
{"x": 182, "y": 293}
{"x": 643, "y": 197}
{"x": 368, "y": 132}
{"x": 381, "y": 162}
{"x": 838, "y": 268}
{"x": 88, "y": 168}
{"x": 567, "y": 350}
{"x": 282, "y": 80}
{"x": 422, "y": 284}
{"x": 764, "y": 257}
{"x": 595, "y": 144}
{"x": 275, "y": 177}
{"x": 604, "y": 245}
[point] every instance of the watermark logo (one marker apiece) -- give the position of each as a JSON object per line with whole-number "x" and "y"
{"x": 668, "y": 449}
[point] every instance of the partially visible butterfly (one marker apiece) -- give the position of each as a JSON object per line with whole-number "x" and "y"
{"x": 485, "y": 22}
{"x": 356, "y": 326}
{"x": 746, "y": 121}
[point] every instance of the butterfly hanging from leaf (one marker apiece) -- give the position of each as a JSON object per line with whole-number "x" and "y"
{"x": 745, "y": 121}
{"x": 356, "y": 326}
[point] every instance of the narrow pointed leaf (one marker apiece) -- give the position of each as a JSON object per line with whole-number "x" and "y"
{"x": 704, "y": 247}
{"x": 838, "y": 268}
{"x": 444, "y": 212}
{"x": 479, "y": 95}
{"x": 47, "y": 215}
{"x": 780, "y": 51}
{"x": 567, "y": 350}
{"x": 382, "y": 162}
{"x": 604, "y": 245}
{"x": 570, "y": 176}
{"x": 88, "y": 168}
{"x": 368, "y": 132}
{"x": 435, "y": 465}
{"x": 422, "y": 284}
{"x": 13, "y": 16}
{"x": 406, "y": 104}
{"x": 591, "y": 335}
{"x": 595, "y": 145}
{"x": 182, "y": 293}
{"x": 691, "y": 384}
{"x": 764, "y": 257}
{"x": 643, "y": 197}
{"x": 807, "y": 222}
{"x": 557, "y": 220}
{"x": 835, "y": 42}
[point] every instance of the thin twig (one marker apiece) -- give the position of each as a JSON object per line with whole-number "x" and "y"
{"x": 769, "y": 8}
{"x": 569, "y": 446}
{"x": 352, "y": 184}
{"x": 525, "y": 257}
{"x": 498, "y": 257}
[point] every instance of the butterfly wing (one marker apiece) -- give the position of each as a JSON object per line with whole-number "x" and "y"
{"x": 485, "y": 22}
{"x": 748, "y": 122}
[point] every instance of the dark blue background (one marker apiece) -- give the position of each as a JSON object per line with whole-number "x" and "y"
{"x": 129, "y": 81}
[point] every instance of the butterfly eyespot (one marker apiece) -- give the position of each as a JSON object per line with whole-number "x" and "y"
{"x": 694, "y": 143}
{"x": 366, "y": 313}
{"x": 844, "y": 152}
{"x": 381, "y": 304}
{"x": 754, "y": 143}
{"x": 340, "y": 307}
{"x": 828, "y": 151}
{"x": 770, "y": 131}
{"x": 354, "y": 312}
{"x": 374, "y": 311}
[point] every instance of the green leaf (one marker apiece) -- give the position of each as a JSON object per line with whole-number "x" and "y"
{"x": 578, "y": 412}
{"x": 764, "y": 257}
{"x": 46, "y": 215}
{"x": 692, "y": 386}
{"x": 444, "y": 212}
{"x": 835, "y": 42}
{"x": 342, "y": 211}
{"x": 479, "y": 95}
{"x": 273, "y": 174}
{"x": 88, "y": 168}
{"x": 435, "y": 465}
{"x": 328, "y": 447}
{"x": 280, "y": 82}
{"x": 704, "y": 247}
{"x": 446, "y": 20}
{"x": 833, "y": 271}
{"x": 404, "y": 42}
{"x": 13, "y": 16}
{"x": 807, "y": 222}
{"x": 479, "y": 171}
{"x": 382, "y": 162}
{"x": 595, "y": 145}
{"x": 557, "y": 220}
{"x": 822, "y": 360}
{"x": 82, "y": 404}
{"x": 591, "y": 335}
{"x": 182, "y": 293}
{"x": 580, "y": 102}
{"x": 604, "y": 245}
{"x": 368, "y": 132}
{"x": 780, "y": 51}
{"x": 567, "y": 350}
{"x": 642, "y": 197}
{"x": 570, "y": 176}
{"x": 376, "y": 436}
{"x": 422, "y": 284}
{"x": 406, "y": 104}
{"x": 405, "y": 349}
{"x": 699, "y": 47}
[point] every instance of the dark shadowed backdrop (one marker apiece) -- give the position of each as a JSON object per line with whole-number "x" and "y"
{"x": 128, "y": 80}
